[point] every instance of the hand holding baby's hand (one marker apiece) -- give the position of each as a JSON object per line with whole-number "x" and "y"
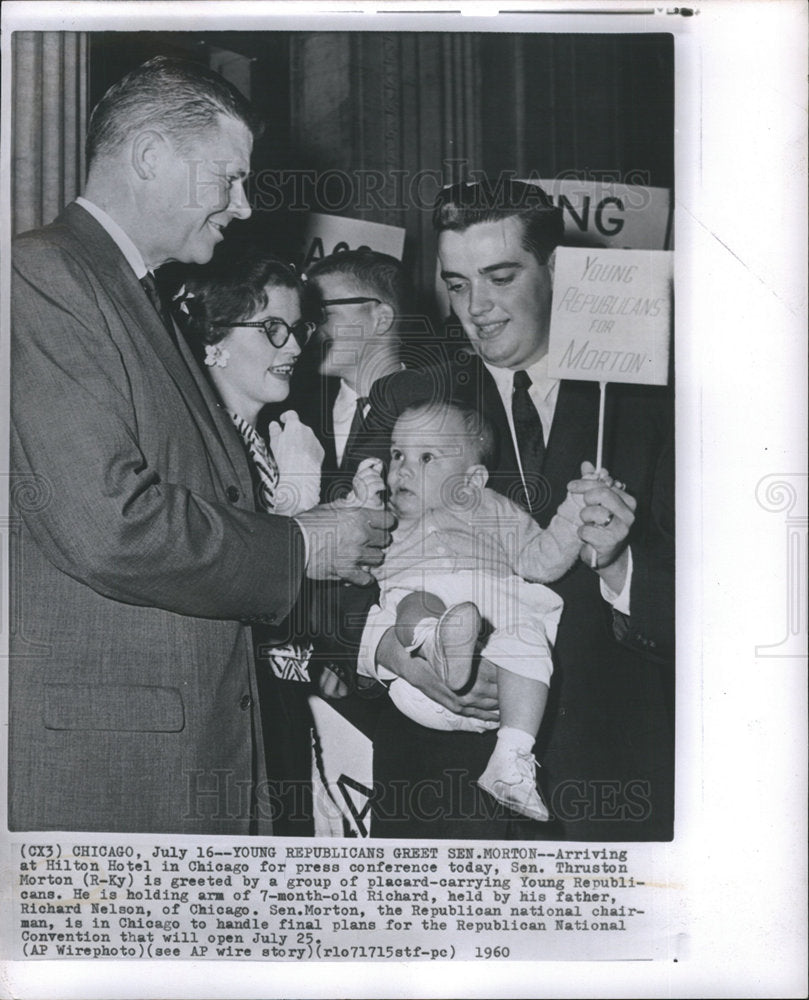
{"x": 367, "y": 485}
{"x": 607, "y": 515}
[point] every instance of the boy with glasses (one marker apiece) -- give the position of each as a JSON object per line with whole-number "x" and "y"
{"x": 360, "y": 297}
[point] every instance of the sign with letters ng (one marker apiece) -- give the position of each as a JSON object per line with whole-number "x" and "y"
{"x": 605, "y": 213}
{"x": 327, "y": 234}
{"x": 611, "y": 315}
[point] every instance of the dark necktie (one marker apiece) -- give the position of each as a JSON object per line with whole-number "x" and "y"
{"x": 356, "y": 426}
{"x": 153, "y": 293}
{"x": 528, "y": 432}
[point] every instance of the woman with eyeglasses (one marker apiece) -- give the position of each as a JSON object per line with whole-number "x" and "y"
{"x": 245, "y": 327}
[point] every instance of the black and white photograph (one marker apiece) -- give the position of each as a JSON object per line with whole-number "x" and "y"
{"x": 357, "y": 371}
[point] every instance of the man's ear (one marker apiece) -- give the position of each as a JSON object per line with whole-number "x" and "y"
{"x": 477, "y": 476}
{"x": 385, "y": 317}
{"x": 147, "y": 147}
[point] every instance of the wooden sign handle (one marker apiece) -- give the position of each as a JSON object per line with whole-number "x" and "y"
{"x": 602, "y": 386}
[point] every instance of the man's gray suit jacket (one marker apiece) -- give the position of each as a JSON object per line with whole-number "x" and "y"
{"x": 137, "y": 561}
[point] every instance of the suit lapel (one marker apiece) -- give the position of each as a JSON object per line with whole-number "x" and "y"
{"x": 356, "y": 433}
{"x": 574, "y": 432}
{"x": 505, "y": 478}
{"x": 329, "y": 444}
{"x": 573, "y": 439}
{"x": 120, "y": 283}
{"x": 315, "y": 407}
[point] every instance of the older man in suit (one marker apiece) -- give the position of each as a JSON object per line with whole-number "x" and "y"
{"x": 141, "y": 562}
{"x": 606, "y": 745}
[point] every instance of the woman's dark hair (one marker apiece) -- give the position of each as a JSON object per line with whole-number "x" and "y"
{"x": 232, "y": 288}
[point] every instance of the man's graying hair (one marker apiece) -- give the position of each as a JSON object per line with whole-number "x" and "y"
{"x": 465, "y": 204}
{"x": 179, "y": 98}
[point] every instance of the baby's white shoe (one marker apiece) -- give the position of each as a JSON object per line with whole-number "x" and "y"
{"x": 510, "y": 777}
{"x": 456, "y": 636}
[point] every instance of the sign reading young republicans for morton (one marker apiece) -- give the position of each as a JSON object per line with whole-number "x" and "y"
{"x": 611, "y": 317}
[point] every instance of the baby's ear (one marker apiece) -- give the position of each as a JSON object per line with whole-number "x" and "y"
{"x": 476, "y": 475}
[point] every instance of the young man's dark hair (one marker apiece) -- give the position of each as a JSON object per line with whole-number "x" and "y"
{"x": 465, "y": 204}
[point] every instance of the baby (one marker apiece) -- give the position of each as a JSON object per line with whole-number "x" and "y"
{"x": 463, "y": 577}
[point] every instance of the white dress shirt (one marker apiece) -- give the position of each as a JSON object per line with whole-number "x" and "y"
{"x": 345, "y": 406}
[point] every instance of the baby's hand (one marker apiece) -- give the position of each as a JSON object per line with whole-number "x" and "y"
{"x": 588, "y": 471}
{"x": 607, "y": 515}
{"x": 367, "y": 485}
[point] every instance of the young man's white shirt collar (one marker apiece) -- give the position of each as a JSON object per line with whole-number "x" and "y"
{"x": 543, "y": 391}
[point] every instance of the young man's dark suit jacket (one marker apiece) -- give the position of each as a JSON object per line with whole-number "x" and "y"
{"x": 138, "y": 558}
{"x": 606, "y": 742}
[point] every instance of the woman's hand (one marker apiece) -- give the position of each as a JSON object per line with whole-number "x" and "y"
{"x": 299, "y": 456}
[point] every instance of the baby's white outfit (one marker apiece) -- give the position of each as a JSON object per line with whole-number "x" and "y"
{"x": 485, "y": 549}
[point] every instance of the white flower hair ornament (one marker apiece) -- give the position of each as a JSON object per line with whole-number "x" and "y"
{"x": 217, "y": 355}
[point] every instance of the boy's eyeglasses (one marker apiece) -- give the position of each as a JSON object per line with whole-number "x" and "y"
{"x": 354, "y": 300}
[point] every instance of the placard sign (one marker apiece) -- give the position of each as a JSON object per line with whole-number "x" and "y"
{"x": 342, "y": 778}
{"x": 608, "y": 214}
{"x": 327, "y": 234}
{"x": 611, "y": 315}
